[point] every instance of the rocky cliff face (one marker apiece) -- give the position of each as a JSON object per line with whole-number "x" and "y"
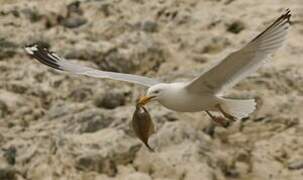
{"x": 59, "y": 126}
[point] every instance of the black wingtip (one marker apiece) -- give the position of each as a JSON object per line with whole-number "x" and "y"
{"x": 43, "y": 55}
{"x": 283, "y": 19}
{"x": 287, "y": 14}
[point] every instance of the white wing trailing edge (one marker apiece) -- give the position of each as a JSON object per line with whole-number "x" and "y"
{"x": 239, "y": 64}
{"x": 52, "y": 60}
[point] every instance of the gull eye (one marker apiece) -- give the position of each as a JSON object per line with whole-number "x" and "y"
{"x": 156, "y": 92}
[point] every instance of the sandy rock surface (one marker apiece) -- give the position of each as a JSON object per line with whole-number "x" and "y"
{"x": 56, "y": 126}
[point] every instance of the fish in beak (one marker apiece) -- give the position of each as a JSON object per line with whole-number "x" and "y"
{"x": 143, "y": 125}
{"x": 145, "y": 99}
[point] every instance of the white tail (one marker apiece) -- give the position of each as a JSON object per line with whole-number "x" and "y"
{"x": 238, "y": 108}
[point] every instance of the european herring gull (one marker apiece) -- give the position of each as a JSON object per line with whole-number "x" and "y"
{"x": 203, "y": 93}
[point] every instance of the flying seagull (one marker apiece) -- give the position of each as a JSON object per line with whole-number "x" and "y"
{"x": 203, "y": 93}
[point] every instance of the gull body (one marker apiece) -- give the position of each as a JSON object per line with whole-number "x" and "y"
{"x": 176, "y": 97}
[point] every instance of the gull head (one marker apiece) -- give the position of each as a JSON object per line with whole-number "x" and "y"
{"x": 154, "y": 93}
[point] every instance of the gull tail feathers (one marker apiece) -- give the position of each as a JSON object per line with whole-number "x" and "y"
{"x": 237, "y": 107}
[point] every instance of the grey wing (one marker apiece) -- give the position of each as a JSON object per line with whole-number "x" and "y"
{"x": 52, "y": 60}
{"x": 238, "y": 65}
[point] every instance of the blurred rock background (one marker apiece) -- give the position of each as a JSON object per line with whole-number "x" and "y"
{"x": 57, "y": 126}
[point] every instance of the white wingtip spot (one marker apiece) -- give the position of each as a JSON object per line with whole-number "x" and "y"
{"x": 30, "y": 50}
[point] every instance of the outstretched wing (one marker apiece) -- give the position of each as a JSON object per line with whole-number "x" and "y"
{"x": 52, "y": 60}
{"x": 238, "y": 65}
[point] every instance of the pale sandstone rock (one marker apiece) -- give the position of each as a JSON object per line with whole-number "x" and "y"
{"x": 59, "y": 131}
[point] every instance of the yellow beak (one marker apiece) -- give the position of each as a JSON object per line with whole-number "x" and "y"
{"x": 145, "y": 99}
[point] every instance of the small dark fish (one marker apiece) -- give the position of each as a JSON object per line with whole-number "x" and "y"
{"x": 143, "y": 125}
